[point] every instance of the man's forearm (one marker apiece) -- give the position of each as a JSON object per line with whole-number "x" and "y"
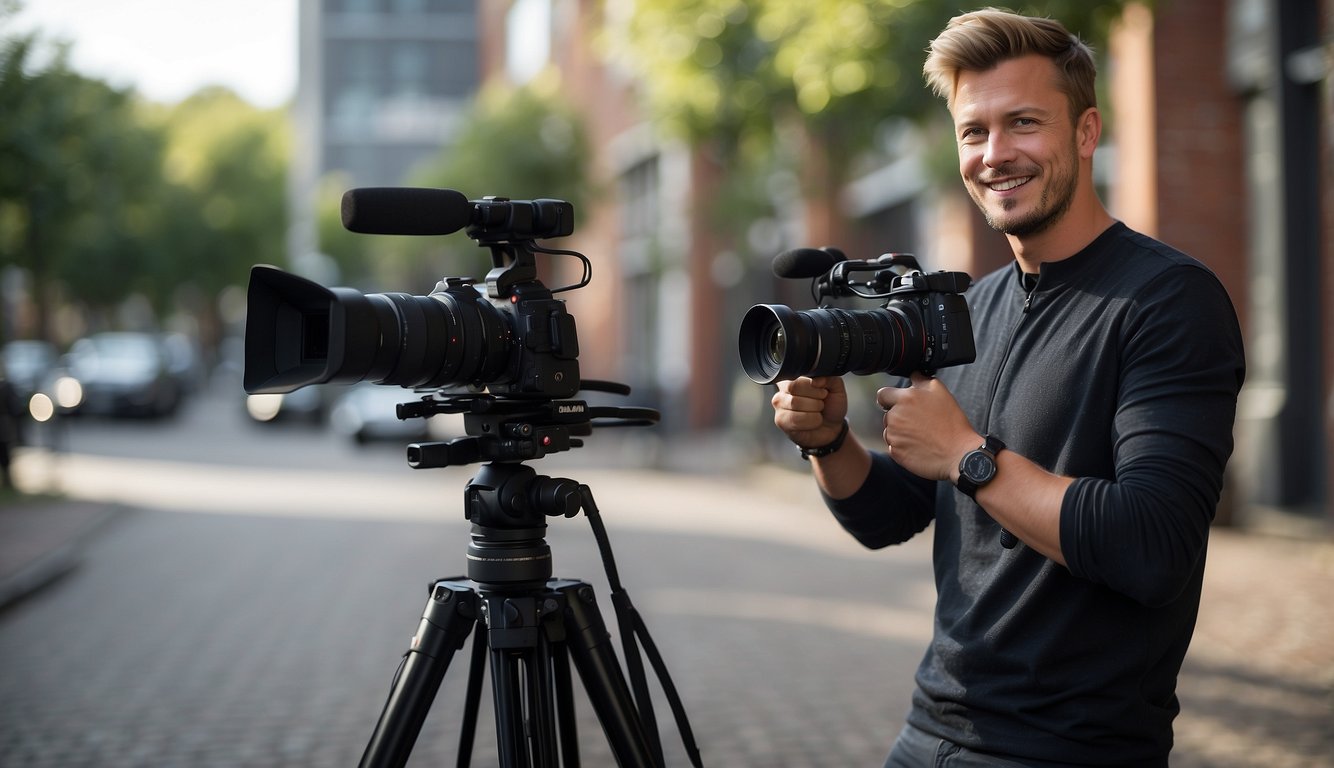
{"x": 1025, "y": 499}
{"x": 843, "y": 472}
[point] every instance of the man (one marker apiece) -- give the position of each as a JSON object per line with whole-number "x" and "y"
{"x": 1094, "y": 426}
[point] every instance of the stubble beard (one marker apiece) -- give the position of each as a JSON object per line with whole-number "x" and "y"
{"x": 1053, "y": 203}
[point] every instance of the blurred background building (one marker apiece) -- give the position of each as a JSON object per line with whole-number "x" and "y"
{"x": 1220, "y": 142}
{"x": 1222, "y": 145}
{"x": 381, "y": 87}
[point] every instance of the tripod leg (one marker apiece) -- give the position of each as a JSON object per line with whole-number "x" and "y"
{"x": 521, "y": 679}
{"x": 446, "y": 623}
{"x": 569, "y": 731}
{"x": 507, "y": 692}
{"x": 468, "y": 727}
{"x": 541, "y": 702}
{"x": 594, "y": 657}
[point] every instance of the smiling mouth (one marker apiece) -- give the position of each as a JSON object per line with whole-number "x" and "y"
{"x": 1008, "y": 184}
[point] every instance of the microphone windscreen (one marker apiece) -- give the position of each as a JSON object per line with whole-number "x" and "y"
{"x": 806, "y": 262}
{"x": 405, "y": 211}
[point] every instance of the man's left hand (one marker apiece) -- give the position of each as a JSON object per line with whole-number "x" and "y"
{"x": 926, "y": 431}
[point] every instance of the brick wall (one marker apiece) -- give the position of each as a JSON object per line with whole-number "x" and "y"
{"x": 1201, "y": 195}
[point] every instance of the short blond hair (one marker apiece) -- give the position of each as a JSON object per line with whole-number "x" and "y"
{"x": 978, "y": 41}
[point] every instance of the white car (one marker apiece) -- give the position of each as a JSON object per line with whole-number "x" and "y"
{"x": 367, "y": 412}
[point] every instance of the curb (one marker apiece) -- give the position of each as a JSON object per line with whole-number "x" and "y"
{"x": 42, "y": 540}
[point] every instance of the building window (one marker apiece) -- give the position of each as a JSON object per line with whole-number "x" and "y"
{"x": 408, "y": 69}
{"x": 640, "y": 199}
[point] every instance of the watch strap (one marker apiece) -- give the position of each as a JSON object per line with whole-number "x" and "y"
{"x": 825, "y": 450}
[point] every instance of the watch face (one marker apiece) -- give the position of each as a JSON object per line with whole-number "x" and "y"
{"x": 978, "y": 467}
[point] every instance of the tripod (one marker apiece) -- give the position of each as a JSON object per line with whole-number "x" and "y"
{"x": 529, "y": 624}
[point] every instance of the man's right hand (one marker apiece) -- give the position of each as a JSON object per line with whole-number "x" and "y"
{"x": 811, "y": 411}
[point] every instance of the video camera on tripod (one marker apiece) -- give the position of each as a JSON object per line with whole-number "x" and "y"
{"x": 514, "y": 348}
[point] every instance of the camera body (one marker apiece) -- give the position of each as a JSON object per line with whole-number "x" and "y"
{"x": 923, "y": 324}
{"x": 515, "y": 339}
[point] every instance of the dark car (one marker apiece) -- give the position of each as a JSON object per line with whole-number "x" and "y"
{"x": 123, "y": 374}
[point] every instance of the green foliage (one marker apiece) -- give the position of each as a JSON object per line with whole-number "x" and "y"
{"x": 735, "y": 71}
{"x": 227, "y": 162}
{"x": 520, "y": 143}
{"x": 349, "y": 250}
{"x": 77, "y": 175}
{"x": 103, "y": 196}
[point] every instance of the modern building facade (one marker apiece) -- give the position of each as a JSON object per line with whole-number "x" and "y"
{"x": 382, "y": 85}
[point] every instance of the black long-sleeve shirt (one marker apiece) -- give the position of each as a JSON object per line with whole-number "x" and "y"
{"x": 1119, "y": 368}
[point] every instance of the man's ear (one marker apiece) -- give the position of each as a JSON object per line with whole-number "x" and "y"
{"x": 1088, "y": 130}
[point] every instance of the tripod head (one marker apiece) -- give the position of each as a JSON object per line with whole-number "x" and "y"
{"x": 508, "y": 502}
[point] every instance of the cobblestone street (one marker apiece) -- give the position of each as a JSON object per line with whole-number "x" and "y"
{"x": 270, "y": 638}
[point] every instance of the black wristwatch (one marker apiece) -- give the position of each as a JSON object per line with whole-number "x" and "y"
{"x": 825, "y": 450}
{"x": 978, "y": 467}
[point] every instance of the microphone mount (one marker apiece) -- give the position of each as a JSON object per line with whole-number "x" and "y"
{"x": 888, "y": 272}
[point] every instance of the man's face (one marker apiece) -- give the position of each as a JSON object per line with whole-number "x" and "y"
{"x": 1017, "y": 149}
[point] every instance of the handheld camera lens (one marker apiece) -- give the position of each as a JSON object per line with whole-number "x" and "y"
{"x": 777, "y": 343}
{"x": 777, "y": 346}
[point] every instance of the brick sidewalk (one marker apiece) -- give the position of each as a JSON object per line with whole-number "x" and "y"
{"x": 1257, "y": 688}
{"x": 40, "y": 540}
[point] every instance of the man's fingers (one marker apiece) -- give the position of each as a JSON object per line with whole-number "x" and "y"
{"x": 888, "y": 397}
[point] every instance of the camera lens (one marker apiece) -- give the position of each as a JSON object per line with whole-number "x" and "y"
{"x": 777, "y": 346}
{"x": 299, "y": 332}
{"x": 450, "y": 337}
{"x": 777, "y": 343}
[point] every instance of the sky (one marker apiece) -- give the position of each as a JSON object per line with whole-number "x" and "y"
{"x": 168, "y": 49}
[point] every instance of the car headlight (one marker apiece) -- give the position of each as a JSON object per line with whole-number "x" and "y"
{"x": 263, "y": 407}
{"x": 68, "y": 392}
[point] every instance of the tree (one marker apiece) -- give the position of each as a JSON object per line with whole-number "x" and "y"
{"x": 77, "y": 173}
{"x": 226, "y": 163}
{"x": 232, "y": 159}
{"x": 104, "y": 196}
{"x": 520, "y": 143}
{"x": 744, "y": 76}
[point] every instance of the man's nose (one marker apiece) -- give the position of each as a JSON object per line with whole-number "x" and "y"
{"x": 1000, "y": 150}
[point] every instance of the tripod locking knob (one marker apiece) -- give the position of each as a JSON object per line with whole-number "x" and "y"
{"x": 559, "y": 496}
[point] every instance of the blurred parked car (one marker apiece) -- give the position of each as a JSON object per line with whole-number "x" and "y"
{"x": 28, "y": 364}
{"x": 185, "y": 363}
{"x": 309, "y": 404}
{"x": 367, "y": 412}
{"x": 123, "y": 374}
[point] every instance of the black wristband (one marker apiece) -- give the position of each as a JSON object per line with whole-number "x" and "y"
{"x": 825, "y": 450}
